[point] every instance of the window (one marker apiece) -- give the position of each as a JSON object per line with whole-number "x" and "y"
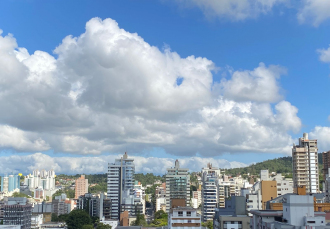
{"x": 188, "y": 213}
{"x": 189, "y": 221}
{"x": 180, "y": 213}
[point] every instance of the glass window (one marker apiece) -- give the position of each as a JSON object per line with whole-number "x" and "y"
{"x": 188, "y": 213}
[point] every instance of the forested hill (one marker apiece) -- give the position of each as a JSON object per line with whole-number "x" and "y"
{"x": 279, "y": 165}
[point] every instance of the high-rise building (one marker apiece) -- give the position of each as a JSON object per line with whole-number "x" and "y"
{"x": 210, "y": 195}
{"x": 40, "y": 179}
{"x": 210, "y": 191}
{"x": 81, "y": 186}
{"x": 305, "y": 164}
{"x": 121, "y": 187}
{"x": 177, "y": 185}
{"x": 326, "y": 163}
{"x": 10, "y": 183}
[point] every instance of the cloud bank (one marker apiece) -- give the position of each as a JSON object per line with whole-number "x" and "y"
{"x": 99, "y": 164}
{"x": 109, "y": 91}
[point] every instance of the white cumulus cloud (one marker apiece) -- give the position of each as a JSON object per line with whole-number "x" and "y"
{"x": 324, "y": 55}
{"x": 321, "y": 133}
{"x": 314, "y": 11}
{"x": 108, "y": 91}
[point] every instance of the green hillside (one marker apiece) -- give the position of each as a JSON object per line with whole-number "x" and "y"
{"x": 278, "y": 165}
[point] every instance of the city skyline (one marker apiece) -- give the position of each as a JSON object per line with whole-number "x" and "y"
{"x": 200, "y": 82}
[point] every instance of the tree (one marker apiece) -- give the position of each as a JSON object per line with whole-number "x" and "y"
{"x": 77, "y": 219}
{"x": 103, "y": 226}
{"x": 63, "y": 217}
{"x": 87, "y": 226}
{"x": 208, "y": 224}
{"x": 140, "y": 220}
{"x": 54, "y": 217}
{"x": 1, "y": 222}
{"x": 18, "y": 194}
{"x": 160, "y": 219}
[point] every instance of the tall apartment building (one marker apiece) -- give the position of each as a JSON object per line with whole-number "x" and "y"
{"x": 326, "y": 163}
{"x": 10, "y": 183}
{"x": 177, "y": 185}
{"x": 305, "y": 164}
{"x": 210, "y": 195}
{"x": 121, "y": 186}
{"x": 81, "y": 186}
{"x": 210, "y": 191}
{"x": 211, "y": 170}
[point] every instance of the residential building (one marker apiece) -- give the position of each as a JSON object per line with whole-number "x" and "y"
{"x": 211, "y": 170}
{"x": 90, "y": 203}
{"x": 10, "y": 183}
{"x": 62, "y": 205}
{"x": 40, "y": 179}
{"x": 210, "y": 195}
{"x": 17, "y": 211}
{"x": 261, "y": 192}
{"x": 121, "y": 188}
{"x": 284, "y": 185}
{"x": 305, "y": 164}
{"x": 177, "y": 185}
{"x": 81, "y": 186}
{"x": 233, "y": 215}
{"x": 232, "y": 222}
{"x": 298, "y": 212}
{"x": 184, "y": 218}
{"x": 326, "y": 163}
{"x": 264, "y": 174}
{"x": 198, "y": 196}
{"x": 43, "y": 208}
{"x": 327, "y": 187}
{"x": 160, "y": 196}
{"x": 39, "y": 193}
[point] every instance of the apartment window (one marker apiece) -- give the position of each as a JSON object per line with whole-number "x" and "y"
{"x": 180, "y": 213}
{"x": 188, "y": 213}
{"x": 189, "y": 221}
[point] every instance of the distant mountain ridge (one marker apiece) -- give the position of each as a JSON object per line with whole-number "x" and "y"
{"x": 278, "y": 165}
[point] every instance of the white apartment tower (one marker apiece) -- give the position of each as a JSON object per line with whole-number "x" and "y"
{"x": 177, "y": 185}
{"x": 210, "y": 196}
{"x": 41, "y": 179}
{"x": 120, "y": 183}
{"x": 305, "y": 164}
{"x": 210, "y": 191}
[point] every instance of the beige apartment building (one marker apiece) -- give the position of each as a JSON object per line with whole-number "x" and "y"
{"x": 81, "y": 186}
{"x": 305, "y": 165}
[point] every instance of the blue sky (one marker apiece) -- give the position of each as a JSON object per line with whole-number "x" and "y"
{"x": 287, "y": 34}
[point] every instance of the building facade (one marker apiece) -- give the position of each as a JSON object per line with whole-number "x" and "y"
{"x": 298, "y": 212}
{"x": 184, "y": 218}
{"x": 40, "y": 179}
{"x": 326, "y": 163}
{"x": 177, "y": 185}
{"x": 10, "y": 183}
{"x": 16, "y": 211}
{"x": 81, "y": 186}
{"x": 305, "y": 164}
{"x": 120, "y": 189}
{"x": 210, "y": 195}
